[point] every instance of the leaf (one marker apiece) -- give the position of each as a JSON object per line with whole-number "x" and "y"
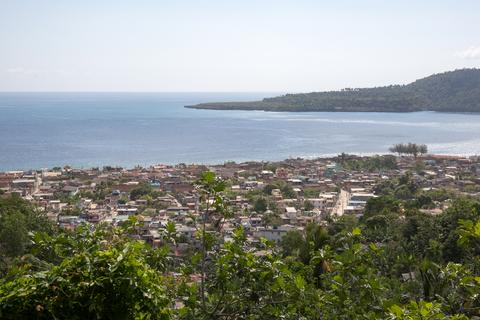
{"x": 300, "y": 282}
{"x": 356, "y": 231}
{"x": 396, "y": 310}
{"x": 170, "y": 227}
{"x": 338, "y": 278}
{"x": 477, "y": 229}
{"x": 208, "y": 177}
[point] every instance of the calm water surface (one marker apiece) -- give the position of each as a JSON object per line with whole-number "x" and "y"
{"x": 40, "y": 130}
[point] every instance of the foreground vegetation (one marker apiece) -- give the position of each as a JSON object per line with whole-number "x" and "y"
{"x": 395, "y": 262}
{"x": 455, "y": 91}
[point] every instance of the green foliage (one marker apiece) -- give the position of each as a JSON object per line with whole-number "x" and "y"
{"x": 403, "y": 187}
{"x": 104, "y": 277}
{"x": 71, "y": 212}
{"x": 381, "y": 205}
{"x": 102, "y": 190}
{"x": 308, "y": 205}
{"x": 122, "y": 200}
{"x": 287, "y": 192}
{"x": 140, "y": 191}
{"x": 353, "y": 285}
{"x": 469, "y": 235}
{"x": 272, "y": 219}
{"x": 143, "y": 191}
{"x": 17, "y": 218}
{"x": 302, "y": 245}
{"x": 370, "y": 164}
{"x": 285, "y": 189}
{"x": 292, "y": 243}
{"x": 449, "y": 222}
{"x": 419, "y": 235}
{"x": 268, "y": 188}
{"x": 247, "y": 286}
{"x": 419, "y": 166}
{"x": 419, "y": 311}
{"x": 260, "y": 205}
{"x": 311, "y": 192}
{"x": 13, "y": 234}
{"x": 410, "y": 148}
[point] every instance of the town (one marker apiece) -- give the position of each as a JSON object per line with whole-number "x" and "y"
{"x": 268, "y": 199}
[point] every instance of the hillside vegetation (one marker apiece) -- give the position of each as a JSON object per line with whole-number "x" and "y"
{"x": 454, "y": 91}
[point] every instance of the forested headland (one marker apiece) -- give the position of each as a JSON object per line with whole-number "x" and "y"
{"x": 454, "y": 91}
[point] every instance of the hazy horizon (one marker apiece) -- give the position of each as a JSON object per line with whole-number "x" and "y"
{"x": 218, "y": 46}
{"x": 225, "y": 91}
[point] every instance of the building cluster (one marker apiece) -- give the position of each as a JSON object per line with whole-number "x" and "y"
{"x": 268, "y": 199}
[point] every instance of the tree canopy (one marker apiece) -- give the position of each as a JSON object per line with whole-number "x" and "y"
{"x": 409, "y": 148}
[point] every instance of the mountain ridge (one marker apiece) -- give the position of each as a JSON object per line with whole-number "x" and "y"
{"x": 451, "y": 91}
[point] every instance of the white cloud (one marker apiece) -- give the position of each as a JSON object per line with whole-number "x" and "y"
{"x": 470, "y": 53}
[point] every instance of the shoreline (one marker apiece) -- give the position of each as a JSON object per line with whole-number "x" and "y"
{"x": 239, "y": 162}
{"x": 195, "y": 107}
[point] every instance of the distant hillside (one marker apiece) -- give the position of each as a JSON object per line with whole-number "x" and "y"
{"x": 454, "y": 91}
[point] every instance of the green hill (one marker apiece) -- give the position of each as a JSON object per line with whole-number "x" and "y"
{"x": 454, "y": 91}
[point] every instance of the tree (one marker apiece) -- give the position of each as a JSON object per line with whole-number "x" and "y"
{"x": 448, "y": 223}
{"x": 17, "y": 218}
{"x": 416, "y": 149}
{"x": 106, "y": 275}
{"x": 423, "y": 149}
{"x": 210, "y": 189}
{"x": 403, "y": 193}
{"x": 269, "y": 188}
{"x": 308, "y": 205}
{"x": 398, "y": 148}
{"x": 272, "y": 219}
{"x": 302, "y": 245}
{"x": 142, "y": 190}
{"x": 381, "y": 218}
{"x": 260, "y": 205}
{"x": 292, "y": 242}
{"x": 419, "y": 166}
{"x": 381, "y": 205}
{"x": 13, "y": 234}
{"x": 410, "y": 148}
{"x": 287, "y": 192}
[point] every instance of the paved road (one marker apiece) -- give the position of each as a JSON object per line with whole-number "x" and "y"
{"x": 342, "y": 203}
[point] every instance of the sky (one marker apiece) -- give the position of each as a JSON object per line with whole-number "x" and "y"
{"x": 216, "y": 46}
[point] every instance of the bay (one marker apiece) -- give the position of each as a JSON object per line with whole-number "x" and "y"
{"x": 39, "y": 130}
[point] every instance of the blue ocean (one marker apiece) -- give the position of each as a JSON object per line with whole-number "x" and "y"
{"x": 42, "y": 130}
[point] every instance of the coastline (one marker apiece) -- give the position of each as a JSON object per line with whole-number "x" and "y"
{"x": 199, "y": 107}
{"x": 325, "y": 157}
